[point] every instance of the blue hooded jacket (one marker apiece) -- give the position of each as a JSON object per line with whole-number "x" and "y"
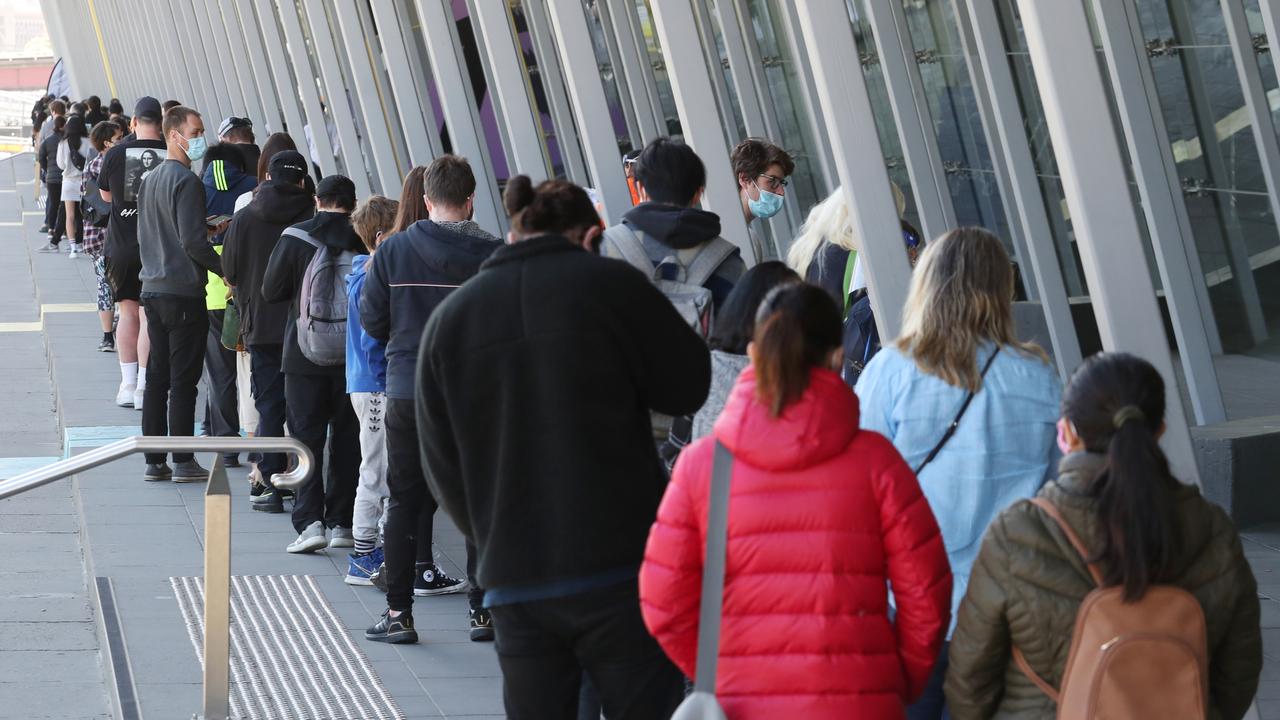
{"x": 366, "y": 356}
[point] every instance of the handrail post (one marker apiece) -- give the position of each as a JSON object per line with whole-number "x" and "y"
{"x": 217, "y": 594}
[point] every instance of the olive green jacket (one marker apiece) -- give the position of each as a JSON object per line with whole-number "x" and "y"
{"x": 1028, "y": 582}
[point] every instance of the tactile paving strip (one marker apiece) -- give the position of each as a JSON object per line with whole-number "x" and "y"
{"x": 291, "y": 658}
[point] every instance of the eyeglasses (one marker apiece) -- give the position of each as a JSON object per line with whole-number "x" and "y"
{"x": 775, "y": 182}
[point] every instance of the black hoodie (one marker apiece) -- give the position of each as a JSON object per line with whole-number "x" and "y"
{"x": 283, "y": 280}
{"x": 247, "y": 247}
{"x": 412, "y": 272}
{"x": 667, "y": 228}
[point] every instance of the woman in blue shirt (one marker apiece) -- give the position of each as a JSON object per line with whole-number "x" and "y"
{"x": 958, "y": 341}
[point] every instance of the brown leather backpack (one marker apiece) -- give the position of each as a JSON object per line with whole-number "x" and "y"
{"x": 1133, "y": 661}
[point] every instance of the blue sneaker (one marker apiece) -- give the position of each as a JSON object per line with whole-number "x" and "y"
{"x": 360, "y": 568}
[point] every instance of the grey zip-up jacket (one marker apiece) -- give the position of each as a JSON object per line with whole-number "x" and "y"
{"x": 172, "y": 236}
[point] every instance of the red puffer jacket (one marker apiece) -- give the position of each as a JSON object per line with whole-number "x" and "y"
{"x": 821, "y": 516}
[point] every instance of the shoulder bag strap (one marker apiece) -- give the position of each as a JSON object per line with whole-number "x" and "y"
{"x": 1052, "y": 511}
{"x": 713, "y": 572}
{"x": 951, "y": 429}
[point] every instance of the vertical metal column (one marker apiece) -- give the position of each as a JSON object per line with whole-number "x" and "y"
{"x": 913, "y": 117}
{"x": 188, "y": 44}
{"x": 641, "y": 84}
{"x": 553, "y": 83}
{"x": 695, "y": 101}
{"x": 1162, "y": 201}
{"x": 735, "y": 48}
{"x": 842, "y": 92}
{"x": 237, "y": 60}
{"x": 410, "y": 103}
{"x": 273, "y": 42}
{"x": 1264, "y": 136}
{"x": 981, "y": 29}
{"x": 217, "y": 594}
{"x": 221, "y": 66}
{"x": 356, "y": 42}
{"x": 340, "y": 104}
{"x": 511, "y": 89}
{"x": 1102, "y": 214}
{"x": 621, "y": 73}
{"x": 591, "y": 109}
{"x": 248, "y": 40}
{"x": 292, "y": 24}
{"x": 458, "y": 101}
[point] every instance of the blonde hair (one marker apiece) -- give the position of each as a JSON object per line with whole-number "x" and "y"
{"x": 828, "y": 221}
{"x": 373, "y": 216}
{"x": 961, "y": 295}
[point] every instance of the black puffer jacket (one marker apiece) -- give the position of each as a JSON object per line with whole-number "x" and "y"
{"x": 1028, "y": 582}
{"x": 246, "y": 248}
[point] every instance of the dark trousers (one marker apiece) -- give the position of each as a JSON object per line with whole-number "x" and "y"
{"x": 177, "y": 328}
{"x": 932, "y": 705}
{"x": 55, "y": 212}
{"x": 267, "y": 384}
{"x": 221, "y": 418}
{"x": 544, "y": 647}
{"x": 318, "y": 409}
{"x": 411, "y": 510}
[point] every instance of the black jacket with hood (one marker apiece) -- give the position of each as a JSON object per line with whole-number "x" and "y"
{"x": 283, "y": 280}
{"x": 412, "y": 272}
{"x": 665, "y": 228}
{"x": 246, "y": 249}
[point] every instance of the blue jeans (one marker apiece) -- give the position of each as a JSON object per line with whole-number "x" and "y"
{"x": 932, "y": 705}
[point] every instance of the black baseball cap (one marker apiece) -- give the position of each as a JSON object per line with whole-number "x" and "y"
{"x": 148, "y": 108}
{"x": 337, "y": 187}
{"x": 288, "y": 166}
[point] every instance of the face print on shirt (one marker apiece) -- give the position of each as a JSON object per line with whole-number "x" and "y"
{"x": 137, "y": 163}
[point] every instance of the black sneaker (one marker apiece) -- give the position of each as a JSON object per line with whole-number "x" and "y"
{"x": 157, "y": 473}
{"x": 231, "y": 460}
{"x": 189, "y": 471}
{"x": 379, "y": 578}
{"x": 268, "y": 502}
{"x": 107, "y": 345}
{"x": 481, "y": 625}
{"x": 431, "y": 580}
{"x": 396, "y": 630}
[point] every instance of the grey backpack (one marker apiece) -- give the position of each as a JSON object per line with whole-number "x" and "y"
{"x": 694, "y": 267}
{"x": 322, "y": 303}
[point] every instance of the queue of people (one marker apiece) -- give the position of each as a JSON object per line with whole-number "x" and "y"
{"x": 621, "y": 418}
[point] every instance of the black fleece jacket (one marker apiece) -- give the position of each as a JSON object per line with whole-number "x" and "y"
{"x": 283, "y": 280}
{"x": 246, "y": 248}
{"x": 535, "y": 385}
{"x": 412, "y": 272}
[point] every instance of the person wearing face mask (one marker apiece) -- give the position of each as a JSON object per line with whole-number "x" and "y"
{"x": 173, "y": 242}
{"x": 534, "y": 387}
{"x": 762, "y": 169}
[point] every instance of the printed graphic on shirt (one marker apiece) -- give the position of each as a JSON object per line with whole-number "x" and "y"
{"x": 138, "y": 162}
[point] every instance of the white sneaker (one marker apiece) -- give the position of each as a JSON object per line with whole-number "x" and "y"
{"x": 311, "y": 539}
{"x": 137, "y": 397}
{"x": 125, "y": 395}
{"x": 75, "y": 251}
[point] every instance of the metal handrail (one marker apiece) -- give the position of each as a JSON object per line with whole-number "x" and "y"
{"x": 90, "y": 459}
{"x": 216, "y": 702}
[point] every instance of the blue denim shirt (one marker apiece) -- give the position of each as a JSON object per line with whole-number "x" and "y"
{"x": 1003, "y": 450}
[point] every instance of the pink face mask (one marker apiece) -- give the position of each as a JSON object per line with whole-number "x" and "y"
{"x": 1063, "y": 445}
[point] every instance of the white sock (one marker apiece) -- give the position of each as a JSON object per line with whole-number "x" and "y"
{"x": 129, "y": 373}
{"x": 142, "y": 377}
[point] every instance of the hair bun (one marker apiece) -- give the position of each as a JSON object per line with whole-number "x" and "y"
{"x": 518, "y": 195}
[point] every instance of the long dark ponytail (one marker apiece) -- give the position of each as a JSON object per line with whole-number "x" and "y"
{"x": 1116, "y": 403}
{"x": 75, "y": 131}
{"x": 797, "y": 329}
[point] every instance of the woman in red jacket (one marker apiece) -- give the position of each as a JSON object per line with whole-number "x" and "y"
{"x": 821, "y": 516}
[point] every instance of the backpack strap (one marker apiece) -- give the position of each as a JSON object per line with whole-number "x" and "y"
{"x": 631, "y": 247}
{"x": 1052, "y": 511}
{"x": 708, "y": 260}
{"x": 304, "y": 236}
{"x": 1056, "y": 516}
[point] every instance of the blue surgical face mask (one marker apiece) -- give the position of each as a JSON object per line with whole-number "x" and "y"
{"x": 765, "y": 206}
{"x": 196, "y": 147}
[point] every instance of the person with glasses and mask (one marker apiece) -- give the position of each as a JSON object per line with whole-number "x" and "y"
{"x": 762, "y": 169}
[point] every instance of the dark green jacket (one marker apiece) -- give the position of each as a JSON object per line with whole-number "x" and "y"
{"x": 1028, "y": 583}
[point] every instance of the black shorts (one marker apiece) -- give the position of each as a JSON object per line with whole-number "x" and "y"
{"x": 123, "y": 269}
